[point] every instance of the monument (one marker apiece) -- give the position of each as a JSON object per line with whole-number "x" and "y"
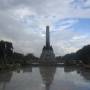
{"x": 47, "y": 55}
{"x": 47, "y": 37}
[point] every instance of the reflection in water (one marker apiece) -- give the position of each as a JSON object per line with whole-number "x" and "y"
{"x": 30, "y": 78}
{"x": 47, "y": 74}
{"x": 24, "y": 69}
{"x": 85, "y": 73}
{"x": 27, "y": 69}
{"x": 4, "y": 79}
{"x": 69, "y": 69}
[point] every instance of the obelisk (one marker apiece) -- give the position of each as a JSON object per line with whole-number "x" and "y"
{"x": 47, "y": 55}
{"x": 47, "y": 37}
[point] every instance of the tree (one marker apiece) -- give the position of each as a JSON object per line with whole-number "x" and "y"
{"x": 18, "y": 57}
{"x": 70, "y": 59}
{"x": 2, "y": 51}
{"x": 6, "y": 51}
{"x": 84, "y": 54}
{"x": 9, "y": 49}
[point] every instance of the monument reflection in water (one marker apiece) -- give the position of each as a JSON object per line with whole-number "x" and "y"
{"x": 47, "y": 74}
{"x": 51, "y": 78}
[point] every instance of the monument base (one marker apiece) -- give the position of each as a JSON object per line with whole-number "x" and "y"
{"x": 47, "y": 56}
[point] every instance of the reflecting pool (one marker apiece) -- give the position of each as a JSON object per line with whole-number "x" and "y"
{"x": 46, "y": 78}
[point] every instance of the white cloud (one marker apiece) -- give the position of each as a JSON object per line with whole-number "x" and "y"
{"x": 80, "y": 37}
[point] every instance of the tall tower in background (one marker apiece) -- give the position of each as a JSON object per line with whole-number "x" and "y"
{"x": 47, "y": 55}
{"x": 47, "y": 37}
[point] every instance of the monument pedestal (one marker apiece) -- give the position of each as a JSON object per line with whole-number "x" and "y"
{"x": 47, "y": 55}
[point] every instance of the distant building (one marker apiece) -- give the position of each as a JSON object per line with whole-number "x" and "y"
{"x": 47, "y": 55}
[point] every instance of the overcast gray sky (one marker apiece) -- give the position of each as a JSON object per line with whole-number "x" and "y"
{"x": 23, "y": 22}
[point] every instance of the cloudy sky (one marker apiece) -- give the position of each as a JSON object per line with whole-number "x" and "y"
{"x": 23, "y": 22}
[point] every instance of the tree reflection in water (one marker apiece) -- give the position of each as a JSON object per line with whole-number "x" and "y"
{"x": 47, "y": 74}
{"x": 4, "y": 79}
{"x": 84, "y": 72}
